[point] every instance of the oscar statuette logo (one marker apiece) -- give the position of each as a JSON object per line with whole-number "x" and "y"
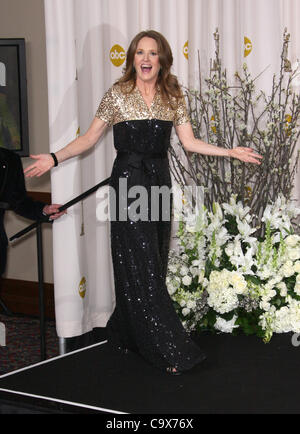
{"x": 247, "y": 46}
{"x": 82, "y": 287}
{"x": 117, "y": 55}
{"x": 186, "y": 50}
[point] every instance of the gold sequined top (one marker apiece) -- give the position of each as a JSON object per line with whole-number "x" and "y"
{"x": 118, "y": 106}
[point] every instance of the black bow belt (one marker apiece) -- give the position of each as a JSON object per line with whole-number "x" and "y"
{"x": 139, "y": 160}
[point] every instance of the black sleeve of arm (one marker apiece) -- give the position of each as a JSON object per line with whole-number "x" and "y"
{"x": 20, "y": 202}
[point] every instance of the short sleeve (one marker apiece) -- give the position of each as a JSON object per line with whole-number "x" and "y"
{"x": 106, "y": 109}
{"x": 181, "y": 113}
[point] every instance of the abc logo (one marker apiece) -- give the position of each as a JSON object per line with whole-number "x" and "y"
{"x": 117, "y": 55}
{"x": 82, "y": 287}
{"x": 186, "y": 50}
{"x": 288, "y": 127}
{"x": 247, "y": 46}
{"x": 214, "y": 129}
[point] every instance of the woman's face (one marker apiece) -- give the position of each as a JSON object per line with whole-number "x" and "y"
{"x": 146, "y": 60}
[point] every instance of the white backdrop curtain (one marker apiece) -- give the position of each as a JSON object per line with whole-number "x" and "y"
{"x": 86, "y": 44}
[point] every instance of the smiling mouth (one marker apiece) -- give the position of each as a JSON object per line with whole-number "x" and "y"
{"x": 146, "y": 68}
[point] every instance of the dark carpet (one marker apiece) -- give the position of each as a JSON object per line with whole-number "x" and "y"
{"x": 23, "y": 342}
{"x": 241, "y": 375}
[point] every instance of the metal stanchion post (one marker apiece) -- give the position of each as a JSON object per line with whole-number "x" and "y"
{"x": 38, "y": 226}
{"x": 41, "y": 290}
{"x": 62, "y": 346}
{"x": 4, "y": 205}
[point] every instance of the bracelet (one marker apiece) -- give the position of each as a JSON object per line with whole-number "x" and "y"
{"x": 54, "y": 159}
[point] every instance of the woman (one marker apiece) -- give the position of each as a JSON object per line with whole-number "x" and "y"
{"x": 142, "y": 107}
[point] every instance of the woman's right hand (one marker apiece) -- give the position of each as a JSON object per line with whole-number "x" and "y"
{"x": 43, "y": 163}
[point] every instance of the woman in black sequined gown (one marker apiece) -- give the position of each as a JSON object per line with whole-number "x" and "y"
{"x": 143, "y": 106}
{"x": 144, "y": 319}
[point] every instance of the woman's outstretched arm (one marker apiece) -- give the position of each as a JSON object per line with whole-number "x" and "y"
{"x": 44, "y": 162}
{"x": 191, "y": 144}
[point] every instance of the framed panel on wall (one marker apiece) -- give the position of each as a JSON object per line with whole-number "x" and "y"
{"x": 13, "y": 96}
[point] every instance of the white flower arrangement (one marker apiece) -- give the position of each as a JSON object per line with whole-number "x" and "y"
{"x": 229, "y": 112}
{"x": 224, "y": 278}
{"x": 237, "y": 266}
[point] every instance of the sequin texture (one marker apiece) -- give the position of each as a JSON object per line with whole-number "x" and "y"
{"x": 119, "y": 106}
{"x": 144, "y": 319}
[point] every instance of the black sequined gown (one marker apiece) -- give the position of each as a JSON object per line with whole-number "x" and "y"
{"x": 144, "y": 319}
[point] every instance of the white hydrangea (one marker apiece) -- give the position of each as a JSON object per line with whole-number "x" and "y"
{"x": 184, "y": 270}
{"x": 223, "y": 289}
{"x": 287, "y": 318}
{"x": 297, "y": 288}
{"x": 287, "y": 270}
{"x": 297, "y": 267}
{"x": 293, "y": 254}
{"x": 187, "y": 280}
{"x": 292, "y": 240}
{"x": 284, "y": 320}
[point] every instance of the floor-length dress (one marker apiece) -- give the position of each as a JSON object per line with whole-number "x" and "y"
{"x": 144, "y": 319}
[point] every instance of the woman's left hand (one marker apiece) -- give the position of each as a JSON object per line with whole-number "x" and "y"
{"x": 245, "y": 154}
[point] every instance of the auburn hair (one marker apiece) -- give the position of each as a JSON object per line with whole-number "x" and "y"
{"x": 166, "y": 81}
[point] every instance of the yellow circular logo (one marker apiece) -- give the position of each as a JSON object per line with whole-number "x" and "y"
{"x": 82, "y": 287}
{"x": 214, "y": 129}
{"x": 247, "y": 46}
{"x": 117, "y": 55}
{"x": 288, "y": 126}
{"x": 186, "y": 50}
